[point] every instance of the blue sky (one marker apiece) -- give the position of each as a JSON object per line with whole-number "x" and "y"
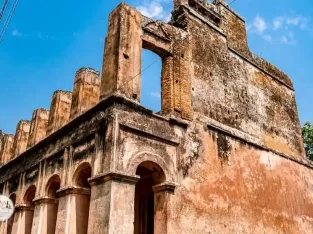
{"x": 47, "y": 41}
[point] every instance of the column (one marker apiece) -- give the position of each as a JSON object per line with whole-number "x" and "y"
{"x": 44, "y": 220}
{"x": 23, "y": 218}
{"x": 73, "y": 210}
{"x": 162, "y": 195}
{"x": 112, "y": 204}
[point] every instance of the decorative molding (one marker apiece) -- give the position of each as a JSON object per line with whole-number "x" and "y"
{"x": 113, "y": 176}
{"x": 45, "y": 200}
{"x": 155, "y": 27}
{"x": 72, "y": 190}
{"x": 164, "y": 187}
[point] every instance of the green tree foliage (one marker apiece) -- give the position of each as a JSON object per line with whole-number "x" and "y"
{"x": 307, "y": 134}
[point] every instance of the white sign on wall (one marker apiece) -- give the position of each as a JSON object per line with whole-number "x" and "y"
{"x": 6, "y": 208}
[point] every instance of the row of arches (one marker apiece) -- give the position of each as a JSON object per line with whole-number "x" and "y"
{"x": 150, "y": 175}
{"x": 80, "y": 179}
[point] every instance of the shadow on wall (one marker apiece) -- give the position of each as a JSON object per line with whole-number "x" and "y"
{"x": 151, "y": 81}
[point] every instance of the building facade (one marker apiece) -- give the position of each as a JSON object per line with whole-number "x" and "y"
{"x": 224, "y": 154}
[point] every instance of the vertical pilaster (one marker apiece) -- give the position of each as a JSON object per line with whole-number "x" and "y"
{"x": 38, "y": 127}
{"x": 86, "y": 91}
{"x": 21, "y": 137}
{"x": 122, "y": 54}
{"x": 60, "y": 109}
{"x": 112, "y": 204}
{"x": 6, "y": 151}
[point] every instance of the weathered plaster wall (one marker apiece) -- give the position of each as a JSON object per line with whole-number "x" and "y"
{"x": 229, "y": 186}
{"x": 233, "y": 91}
{"x": 228, "y": 139}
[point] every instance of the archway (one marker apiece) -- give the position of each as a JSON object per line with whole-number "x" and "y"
{"x": 29, "y": 209}
{"x": 82, "y": 198}
{"x": 52, "y": 206}
{"x": 150, "y": 174}
{"x": 11, "y": 220}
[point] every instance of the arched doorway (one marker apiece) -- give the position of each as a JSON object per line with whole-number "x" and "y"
{"x": 29, "y": 209}
{"x": 151, "y": 175}
{"x": 11, "y": 220}
{"x": 52, "y": 206}
{"x": 82, "y": 200}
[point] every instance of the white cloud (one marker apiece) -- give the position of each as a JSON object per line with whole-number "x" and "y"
{"x": 155, "y": 94}
{"x": 154, "y": 9}
{"x": 280, "y": 29}
{"x": 288, "y": 39}
{"x": 43, "y": 36}
{"x": 259, "y": 24}
{"x": 299, "y": 21}
{"x": 259, "y": 27}
{"x": 16, "y": 33}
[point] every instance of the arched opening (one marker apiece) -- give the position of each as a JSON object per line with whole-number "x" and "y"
{"x": 150, "y": 174}
{"x": 52, "y": 206}
{"x": 11, "y": 220}
{"x": 29, "y": 209}
{"x": 151, "y": 81}
{"x": 82, "y": 199}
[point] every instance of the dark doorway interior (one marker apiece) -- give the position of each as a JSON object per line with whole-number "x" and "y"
{"x": 150, "y": 175}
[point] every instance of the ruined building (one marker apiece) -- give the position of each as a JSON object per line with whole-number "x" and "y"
{"x": 223, "y": 156}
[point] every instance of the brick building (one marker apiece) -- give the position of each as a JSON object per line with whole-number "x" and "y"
{"x": 224, "y": 155}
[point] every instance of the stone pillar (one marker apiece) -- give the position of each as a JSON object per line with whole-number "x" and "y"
{"x": 38, "y": 127}
{"x": 73, "y": 210}
{"x": 60, "y": 110}
{"x": 6, "y": 150}
{"x": 86, "y": 91}
{"x": 112, "y": 204}
{"x": 45, "y": 215}
{"x": 162, "y": 195}
{"x": 21, "y": 137}
{"x": 23, "y": 218}
{"x": 122, "y": 54}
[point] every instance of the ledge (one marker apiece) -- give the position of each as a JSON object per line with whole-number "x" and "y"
{"x": 24, "y": 207}
{"x": 164, "y": 187}
{"x": 114, "y": 176}
{"x": 72, "y": 190}
{"x": 253, "y": 63}
{"x": 45, "y": 200}
{"x": 244, "y": 137}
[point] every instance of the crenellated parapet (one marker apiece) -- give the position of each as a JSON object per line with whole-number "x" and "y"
{"x": 21, "y": 137}
{"x": 226, "y": 145}
{"x": 86, "y": 92}
{"x": 38, "y": 127}
{"x": 60, "y": 110}
{"x": 6, "y": 148}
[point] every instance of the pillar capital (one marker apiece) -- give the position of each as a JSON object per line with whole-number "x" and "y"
{"x": 115, "y": 176}
{"x": 164, "y": 187}
{"x": 45, "y": 200}
{"x": 72, "y": 190}
{"x": 24, "y": 207}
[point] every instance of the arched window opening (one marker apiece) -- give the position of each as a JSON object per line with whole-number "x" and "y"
{"x": 29, "y": 210}
{"x": 11, "y": 220}
{"x": 82, "y": 199}
{"x": 151, "y": 81}
{"x": 150, "y": 175}
{"x": 52, "y": 207}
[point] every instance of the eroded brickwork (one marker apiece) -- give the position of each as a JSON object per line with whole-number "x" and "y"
{"x": 86, "y": 91}
{"x": 225, "y": 154}
{"x": 60, "y": 110}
